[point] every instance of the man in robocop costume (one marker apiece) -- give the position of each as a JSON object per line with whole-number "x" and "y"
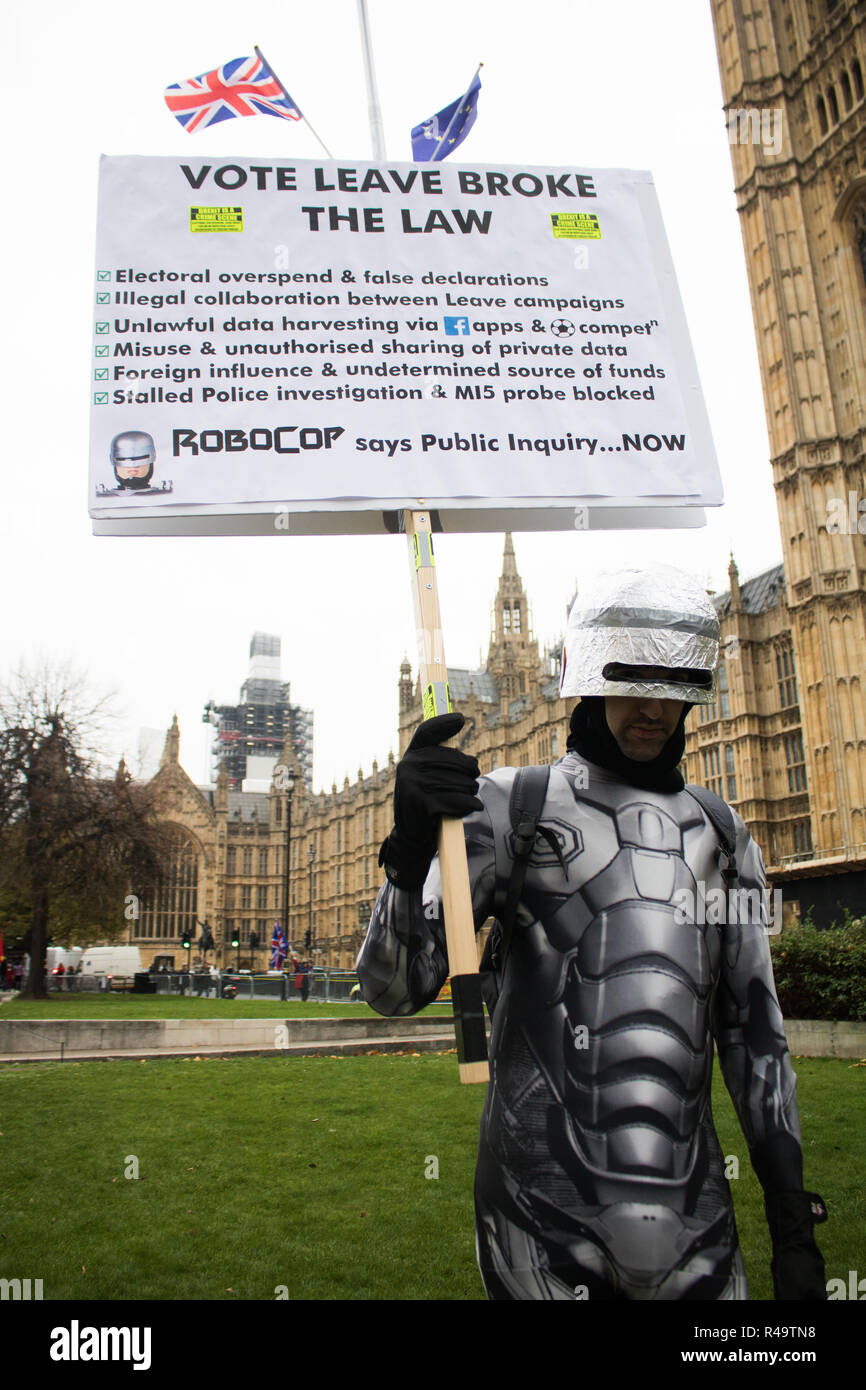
{"x": 599, "y": 1170}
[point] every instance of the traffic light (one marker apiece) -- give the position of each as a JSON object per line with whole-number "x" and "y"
{"x": 254, "y": 940}
{"x": 184, "y": 941}
{"x": 236, "y": 940}
{"x": 307, "y": 941}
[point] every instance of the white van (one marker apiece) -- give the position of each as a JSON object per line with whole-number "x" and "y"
{"x": 60, "y": 955}
{"x": 118, "y": 964}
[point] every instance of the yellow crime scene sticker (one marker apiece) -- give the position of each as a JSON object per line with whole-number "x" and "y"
{"x": 422, "y": 547}
{"x": 582, "y": 225}
{"x": 216, "y": 219}
{"x": 436, "y": 699}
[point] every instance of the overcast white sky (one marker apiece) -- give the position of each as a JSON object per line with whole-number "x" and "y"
{"x": 166, "y": 623}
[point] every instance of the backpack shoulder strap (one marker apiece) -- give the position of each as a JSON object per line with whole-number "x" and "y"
{"x": 525, "y": 805}
{"x": 528, "y": 795}
{"x": 722, "y": 819}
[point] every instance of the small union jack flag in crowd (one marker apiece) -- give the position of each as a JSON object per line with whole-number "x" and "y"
{"x": 243, "y": 87}
{"x": 279, "y": 947}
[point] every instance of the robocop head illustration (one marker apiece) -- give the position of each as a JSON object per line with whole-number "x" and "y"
{"x": 132, "y": 455}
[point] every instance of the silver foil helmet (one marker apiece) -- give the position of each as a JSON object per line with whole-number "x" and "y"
{"x": 132, "y": 457}
{"x": 656, "y": 616}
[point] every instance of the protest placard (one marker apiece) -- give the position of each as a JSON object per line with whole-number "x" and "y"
{"x": 308, "y": 347}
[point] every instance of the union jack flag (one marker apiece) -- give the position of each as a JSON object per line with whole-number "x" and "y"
{"x": 279, "y": 947}
{"x": 243, "y": 87}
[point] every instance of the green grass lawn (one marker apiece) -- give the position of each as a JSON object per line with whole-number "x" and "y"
{"x": 309, "y": 1173}
{"x": 123, "y": 1005}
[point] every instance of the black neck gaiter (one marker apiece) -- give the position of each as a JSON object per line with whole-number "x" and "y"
{"x": 593, "y": 740}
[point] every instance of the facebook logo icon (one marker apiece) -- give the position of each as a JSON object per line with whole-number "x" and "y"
{"x": 456, "y": 325}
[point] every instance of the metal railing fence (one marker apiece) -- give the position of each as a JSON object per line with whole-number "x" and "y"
{"x": 325, "y": 986}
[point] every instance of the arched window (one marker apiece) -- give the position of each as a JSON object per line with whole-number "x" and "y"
{"x": 730, "y": 773}
{"x": 173, "y": 908}
{"x": 786, "y": 678}
{"x": 857, "y": 74}
{"x": 833, "y": 104}
{"x": 858, "y": 219}
{"x": 847, "y": 94}
{"x": 724, "y": 696}
{"x": 822, "y": 116}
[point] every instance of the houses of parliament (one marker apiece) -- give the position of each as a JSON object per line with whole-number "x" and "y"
{"x": 785, "y": 741}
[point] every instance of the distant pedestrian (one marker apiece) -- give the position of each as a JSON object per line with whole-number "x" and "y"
{"x": 305, "y": 982}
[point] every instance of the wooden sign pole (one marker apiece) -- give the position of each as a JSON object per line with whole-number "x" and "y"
{"x": 456, "y": 898}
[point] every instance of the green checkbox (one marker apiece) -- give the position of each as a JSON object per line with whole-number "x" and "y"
{"x": 102, "y": 328}
{"x": 103, "y": 298}
{"x": 103, "y": 274}
{"x": 101, "y": 374}
{"x": 100, "y": 398}
{"x": 101, "y": 352}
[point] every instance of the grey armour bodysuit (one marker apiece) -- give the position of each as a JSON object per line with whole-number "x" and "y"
{"x": 599, "y": 1171}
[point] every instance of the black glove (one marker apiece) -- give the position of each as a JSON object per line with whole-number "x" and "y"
{"x": 431, "y": 782}
{"x": 797, "y": 1265}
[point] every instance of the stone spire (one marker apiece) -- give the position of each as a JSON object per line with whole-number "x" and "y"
{"x": 221, "y": 796}
{"x": 511, "y": 611}
{"x": 509, "y": 559}
{"x": 171, "y": 751}
{"x": 734, "y": 580}
{"x": 406, "y": 687}
{"x": 512, "y": 659}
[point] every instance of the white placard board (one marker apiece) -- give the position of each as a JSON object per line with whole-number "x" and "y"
{"x": 310, "y": 347}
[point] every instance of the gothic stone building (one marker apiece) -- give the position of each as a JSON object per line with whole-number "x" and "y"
{"x": 786, "y": 741}
{"x": 229, "y": 866}
{"x": 802, "y": 207}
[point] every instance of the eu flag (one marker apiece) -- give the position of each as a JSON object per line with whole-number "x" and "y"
{"x": 442, "y": 133}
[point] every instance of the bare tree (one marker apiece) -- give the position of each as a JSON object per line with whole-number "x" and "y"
{"x": 72, "y": 840}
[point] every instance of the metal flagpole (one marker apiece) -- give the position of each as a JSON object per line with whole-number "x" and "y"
{"x": 260, "y": 55}
{"x": 457, "y": 112}
{"x": 456, "y": 896}
{"x": 377, "y": 132}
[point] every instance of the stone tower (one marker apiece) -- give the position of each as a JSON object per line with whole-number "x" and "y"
{"x": 793, "y": 82}
{"x": 512, "y": 658}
